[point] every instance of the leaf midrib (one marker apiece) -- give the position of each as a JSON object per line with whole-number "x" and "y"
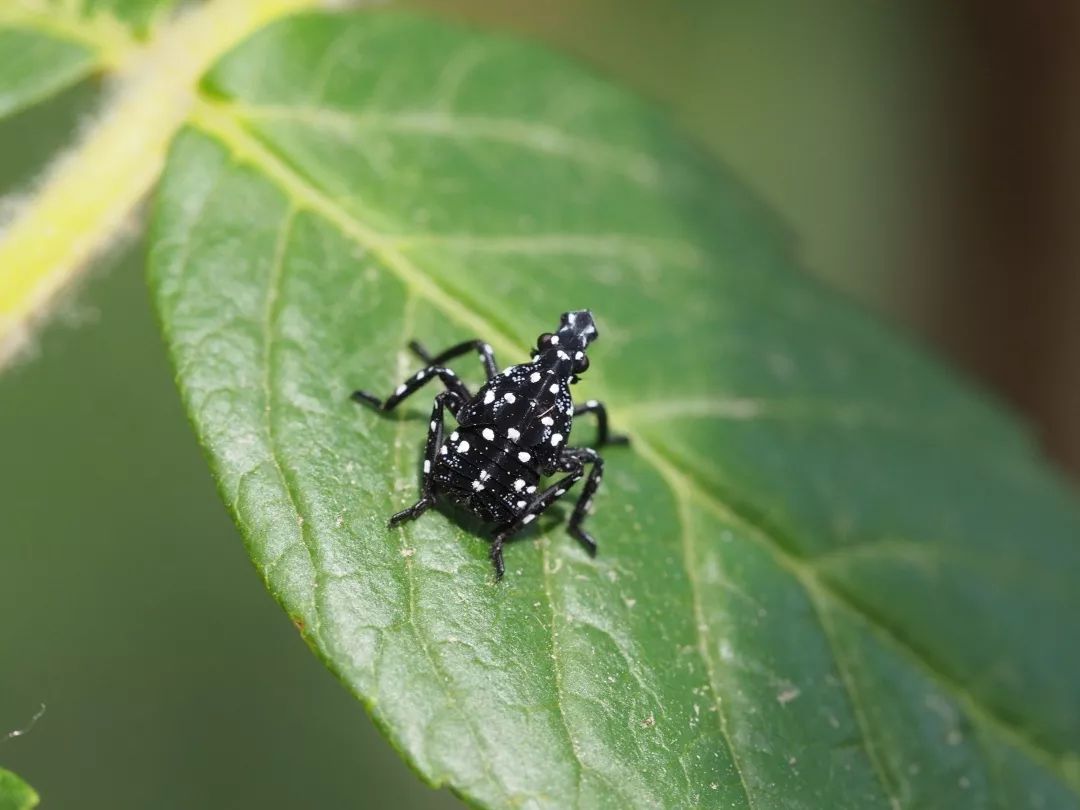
{"x": 216, "y": 121}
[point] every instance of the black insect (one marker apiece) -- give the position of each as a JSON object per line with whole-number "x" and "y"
{"x": 512, "y": 433}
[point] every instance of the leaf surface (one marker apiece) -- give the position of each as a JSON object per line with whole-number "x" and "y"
{"x": 34, "y": 67}
{"x": 15, "y": 794}
{"x": 829, "y": 575}
{"x": 46, "y": 46}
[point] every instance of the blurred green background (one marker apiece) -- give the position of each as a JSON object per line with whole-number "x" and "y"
{"x": 927, "y": 159}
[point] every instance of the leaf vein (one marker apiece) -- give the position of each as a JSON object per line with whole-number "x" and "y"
{"x": 1056, "y": 762}
{"x": 269, "y": 318}
{"x": 848, "y": 680}
{"x": 557, "y": 674}
{"x": 533, "y": 136}
{"x": 437, "y": 669}
{"x": 689, "y": 555}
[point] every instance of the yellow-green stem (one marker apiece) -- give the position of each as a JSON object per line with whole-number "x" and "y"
{"x": 90, "y": 193}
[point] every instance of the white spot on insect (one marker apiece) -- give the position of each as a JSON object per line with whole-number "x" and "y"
{"x": 400, "y": 390}
{"x": 547, "y": 420}
{"x": 489, "y": 397}
{"x": 427, "y": 465}
{"x": 554, "y": 340}
{"x": 534, "y": 377}
{"x": 559, "y": 492}
{"x": 449, "y": 372}
{"x": 531, "y": 490}
{"x": 519, "y": 484}
{"x": 454, "y": 436}
{"x": 578, "y": 355}
{"x": 484, "y": 475}
{"x": 528, "y": 519}
{"x": 513, "y": 434}
{"x": 443, "y": 450}
{"x": 554, "y": 388}
{"x": 592, "y": 403}
{"x": 488, "y": 434}
{"x": 555, "y": 439}
{"x": 477, "y": 486}
{"x": 563, "y": 355}
{"x": 523, "y": 456}
{"x": 463, "y": 447}
{"x": 421, "y": 374}
{"x": 521, "y": 504}
{"x": 432, "y": 425}
{"x": 509, "y": 397}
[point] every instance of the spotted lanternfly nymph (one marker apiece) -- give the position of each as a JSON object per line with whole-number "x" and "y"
{"x": 511, "y": 434}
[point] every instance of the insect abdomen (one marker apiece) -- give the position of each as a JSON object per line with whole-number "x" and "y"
{"x": 493, "y": 478}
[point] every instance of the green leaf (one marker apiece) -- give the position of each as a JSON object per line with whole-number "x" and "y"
{"x": 15, "y": 794}
{"x": 46, "y": 47}
{"x": 34, "y": 66}
{"x": 829, "y": 575}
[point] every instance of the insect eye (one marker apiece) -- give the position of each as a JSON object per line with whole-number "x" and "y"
{"x": 544, "y": 341}
{"x": 581, "y": 363}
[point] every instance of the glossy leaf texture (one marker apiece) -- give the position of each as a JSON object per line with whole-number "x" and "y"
{"x": 829, "y": 574}
{"x": 15, "y": 794}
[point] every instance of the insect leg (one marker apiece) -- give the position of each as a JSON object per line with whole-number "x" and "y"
{"x": 445, "y": 400}
{"x": 487, "y": 356}
{"x": 585, "y": 455}
{"x": 602, "y": 435}
{"x": 412, "y": 385}
{"x": 539, "y": 504}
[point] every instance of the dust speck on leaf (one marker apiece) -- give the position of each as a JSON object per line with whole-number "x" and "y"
{"x": 787, "y": 695}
